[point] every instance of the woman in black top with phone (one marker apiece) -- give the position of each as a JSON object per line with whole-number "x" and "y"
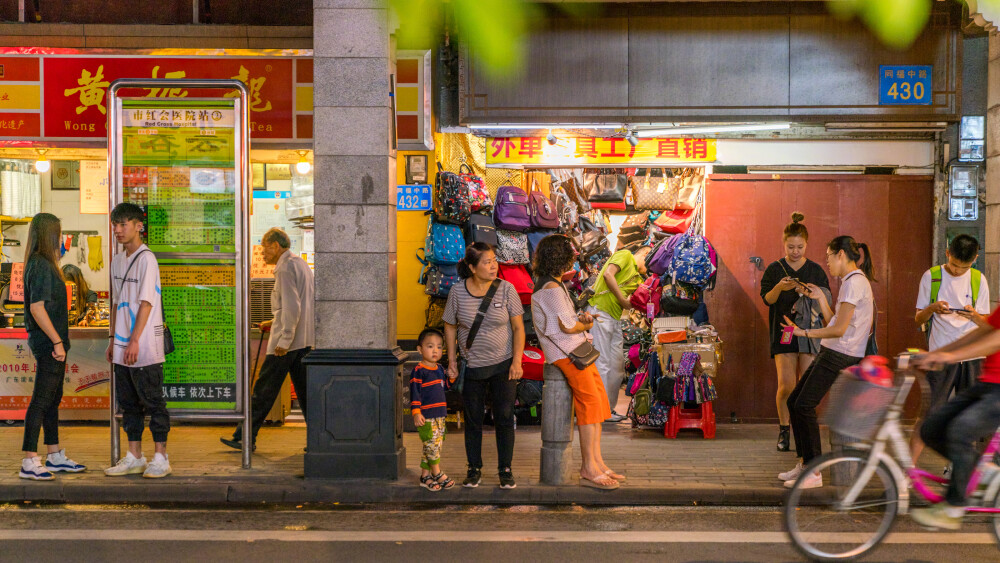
{"x": 780, "y": 287}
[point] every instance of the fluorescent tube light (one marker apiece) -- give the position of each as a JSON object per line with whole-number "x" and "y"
{"x": 545, "y": 126}
{"x": 713, "y": 129}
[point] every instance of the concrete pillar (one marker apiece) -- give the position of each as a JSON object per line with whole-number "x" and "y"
{"x": 557, "y": 428}
{"x": 355, "y": 247}
{"x": 992, "y": 238}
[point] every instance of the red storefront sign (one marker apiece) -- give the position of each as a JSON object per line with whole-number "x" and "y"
{"x": 65, "y": 96}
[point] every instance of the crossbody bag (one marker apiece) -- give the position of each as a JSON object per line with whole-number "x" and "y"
{"x": 583, "y": 355}
{"x": 168, "y": 339}
{"x": 473, "y": 331}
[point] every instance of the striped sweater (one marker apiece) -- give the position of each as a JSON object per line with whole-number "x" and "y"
{"x": 427, "y": 391}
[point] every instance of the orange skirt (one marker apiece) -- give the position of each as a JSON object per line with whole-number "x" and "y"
{"x": 590, "y": 400}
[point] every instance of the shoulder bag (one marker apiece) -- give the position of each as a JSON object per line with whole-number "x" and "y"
{"x": 583, "y": 355}
{"x": 168, "y": 339}
{"x": 473, "y": 331}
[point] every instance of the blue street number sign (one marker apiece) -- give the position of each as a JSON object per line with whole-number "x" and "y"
{"x": 904, "y": 85}
{"x": 413, "y": 197}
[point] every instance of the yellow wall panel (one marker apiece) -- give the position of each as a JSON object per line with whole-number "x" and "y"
{"x": 411, "y": 228}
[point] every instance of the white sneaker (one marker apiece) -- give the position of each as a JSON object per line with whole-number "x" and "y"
{"x": 128, "y": 465}
{"x": 59, "y": 462}
{"x": 813, "y": 481}
{"x": 32, "y": 468}
{"x": 159, "y": 467}
{"x": 793, "y": 474}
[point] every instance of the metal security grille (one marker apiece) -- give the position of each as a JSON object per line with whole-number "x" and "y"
{"x": 260, "y": 300}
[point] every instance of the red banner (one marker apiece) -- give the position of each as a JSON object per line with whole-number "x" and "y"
{"x": 74, "y": 91}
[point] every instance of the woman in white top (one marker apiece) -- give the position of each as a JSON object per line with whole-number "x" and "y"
{"x": 560, "y": 330}
{"x": 843, "y": 344}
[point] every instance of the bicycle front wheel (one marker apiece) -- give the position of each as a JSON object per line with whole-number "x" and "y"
{"x": 823, "y": 526}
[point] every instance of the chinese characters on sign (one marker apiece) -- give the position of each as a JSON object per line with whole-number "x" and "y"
{"x": 593, "y": 150}
{"x": 94, "y": 186}
{"x": 904, "y": 85}
{"x": 413, "y": 197}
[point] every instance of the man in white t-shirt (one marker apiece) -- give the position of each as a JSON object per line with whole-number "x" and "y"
{"x": 954, "y": 299}
{"x": 136, "y": 348}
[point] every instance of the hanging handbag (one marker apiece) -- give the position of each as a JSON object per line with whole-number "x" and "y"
{"x": 654, "y": 191}
{"x": 512, "y": 247}
{"x": 479, "y": 196}
{"x": 676, "y": 301}
{"x": 676, "y": 221}
{"x": 605, "y": 185}
{"x": 692, "y": 181}
{"x": 541, "y": 210}
{"x": 463, "y": 364}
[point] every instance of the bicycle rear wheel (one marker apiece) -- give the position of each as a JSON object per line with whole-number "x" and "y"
{"x": 822, "y": 527}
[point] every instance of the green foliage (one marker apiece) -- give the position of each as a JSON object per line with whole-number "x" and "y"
{"x": 495, "y": 30}
{"x": 896, "y": 23}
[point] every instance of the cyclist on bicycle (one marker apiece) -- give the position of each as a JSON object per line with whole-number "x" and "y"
{"x": 972, "y": 414}
{"x": 953, "y": 300}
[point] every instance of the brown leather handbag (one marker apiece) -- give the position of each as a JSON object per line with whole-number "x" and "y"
{"x": 654, "y": 191}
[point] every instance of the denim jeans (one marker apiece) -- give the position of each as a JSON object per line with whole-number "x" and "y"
{"x": 503, "y": 391}
{"x": 951, "y": 430}
{"x": 43, "y": 410}
{"x": 812, "y": 387}
{"x": 268, "y": 386}
{"x": 140, "y": 393}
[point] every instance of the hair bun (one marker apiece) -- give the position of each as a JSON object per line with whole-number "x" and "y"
{"x": 797, "y": 217}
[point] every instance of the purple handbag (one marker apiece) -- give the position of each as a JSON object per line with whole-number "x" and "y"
{"x": 510, "y": 211}
{"x": 659, "y": 259}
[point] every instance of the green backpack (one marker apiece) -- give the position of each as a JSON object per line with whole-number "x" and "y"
{"x": 976, "y": 279}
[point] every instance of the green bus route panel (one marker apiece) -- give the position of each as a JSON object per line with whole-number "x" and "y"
{"x": 167, "y": 145}
{"x": 201, "y": 373}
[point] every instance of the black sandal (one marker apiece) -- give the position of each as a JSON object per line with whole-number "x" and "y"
{"x": 430, "y": 483}
{"x": 443, "y": 480}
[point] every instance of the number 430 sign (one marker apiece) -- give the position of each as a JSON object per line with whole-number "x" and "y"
{"x": 904, "y": 85}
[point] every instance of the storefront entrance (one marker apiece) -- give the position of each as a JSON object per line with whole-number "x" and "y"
{"x": 745, "y": 215}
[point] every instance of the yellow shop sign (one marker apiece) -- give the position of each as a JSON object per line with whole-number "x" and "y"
{"x": 588, "y": 151}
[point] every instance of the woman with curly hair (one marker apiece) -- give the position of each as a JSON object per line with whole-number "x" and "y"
{"x": 560, "y": 330}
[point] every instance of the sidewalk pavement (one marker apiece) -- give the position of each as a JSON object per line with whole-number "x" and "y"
{"x": 739, "y": 466}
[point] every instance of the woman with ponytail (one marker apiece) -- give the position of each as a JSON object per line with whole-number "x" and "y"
{"x": 782, "y": 284}
{"x": 491, "y": 357}
{"x": 843, "y": 344}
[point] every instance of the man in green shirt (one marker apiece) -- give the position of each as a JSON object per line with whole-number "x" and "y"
{"x": 619, "y": 278}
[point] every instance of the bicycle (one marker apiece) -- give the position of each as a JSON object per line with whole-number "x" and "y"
{"x": 869, "y": 482}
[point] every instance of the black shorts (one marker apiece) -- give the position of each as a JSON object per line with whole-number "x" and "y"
{"x": 953, "y": 378}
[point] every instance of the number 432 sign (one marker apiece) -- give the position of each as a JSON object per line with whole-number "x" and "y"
{"x": 904, "y": 85}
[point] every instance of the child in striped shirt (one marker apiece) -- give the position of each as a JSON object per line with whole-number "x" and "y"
{"x": 428, "y": 406}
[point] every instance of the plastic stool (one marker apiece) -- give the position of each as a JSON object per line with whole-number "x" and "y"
{"x": 702, "y": 418}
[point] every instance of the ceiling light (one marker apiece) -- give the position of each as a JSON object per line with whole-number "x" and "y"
{"x": 713, "y": 129}
{"x": 551, "y": 138}
{"x": 42, "y": 165}
{"x": 302, "y": 166}
{"x": 886, "y": 127}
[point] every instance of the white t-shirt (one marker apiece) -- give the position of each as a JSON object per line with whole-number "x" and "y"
{"x": 957, "y": 292}
{"x": 142, "y": 284}
{"x": 855, "y": 290}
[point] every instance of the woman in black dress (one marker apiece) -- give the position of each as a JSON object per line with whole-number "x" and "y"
{"x": 780, "y": 288}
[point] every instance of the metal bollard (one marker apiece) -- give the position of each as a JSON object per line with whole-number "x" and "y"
{"x": 842, "y": 474}
{"x": 557, "y": 428}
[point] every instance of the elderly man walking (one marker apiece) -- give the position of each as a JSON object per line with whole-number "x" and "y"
{"x": 292, "y": 332}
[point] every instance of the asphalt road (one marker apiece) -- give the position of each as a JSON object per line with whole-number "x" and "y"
{"x": 65, "y": 533}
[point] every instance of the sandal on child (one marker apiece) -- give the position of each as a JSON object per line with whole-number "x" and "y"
{"x": 443, "y": 480}
{"x": 428, "y": 482}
